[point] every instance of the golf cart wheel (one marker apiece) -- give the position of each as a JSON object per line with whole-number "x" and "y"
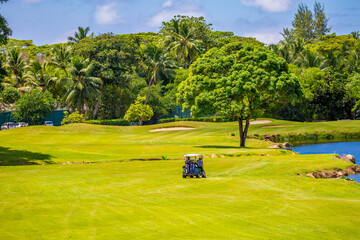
{"x": 191, "y": 176}
{"x": 197, "y": 175}
{"x": 184, "y": 176}
{"x": 203, "y": 176}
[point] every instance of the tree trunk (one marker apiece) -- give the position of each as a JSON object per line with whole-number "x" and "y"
{"x": 85, "y": 111}
{"x": 148, "y": 93}
{"x": 140, "y": 122}
{"x": 97, "y": 104}
{"x": 243, "y": 130}
{"x": 67, "y": 76}
{"x": 17, "y": 81}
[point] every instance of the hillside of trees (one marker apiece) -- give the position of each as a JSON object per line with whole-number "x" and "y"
{"x": 100, "y": 76}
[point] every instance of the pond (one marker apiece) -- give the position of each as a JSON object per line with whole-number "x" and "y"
{"x": 340, "y": 148}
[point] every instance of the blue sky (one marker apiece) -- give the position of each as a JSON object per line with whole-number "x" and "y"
{"x": 52, "y": 21}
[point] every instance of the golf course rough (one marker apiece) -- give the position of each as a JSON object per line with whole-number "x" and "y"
{"x": 246, "y": 197}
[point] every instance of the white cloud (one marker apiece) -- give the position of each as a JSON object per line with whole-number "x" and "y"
{"x": 107, "y": 14}
{"x": 269, "y": 5}
{"x": 268, "y": 36}
{"x": 170, "y": 8}
{"x": 167, "y": 3}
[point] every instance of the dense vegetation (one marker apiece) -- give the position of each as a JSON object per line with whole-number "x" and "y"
{"x": 102, "y": 75}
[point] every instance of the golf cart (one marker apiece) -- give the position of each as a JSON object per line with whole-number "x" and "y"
{"x": 193, "y": 166}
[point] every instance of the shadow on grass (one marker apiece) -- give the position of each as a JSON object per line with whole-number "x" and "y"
{"x": 10, "y": 157}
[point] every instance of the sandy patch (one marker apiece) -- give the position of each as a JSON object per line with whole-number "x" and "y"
{"x": 260, "y": 121}
{"x": 170, "y": 129}
{"x": 272, "y": 126}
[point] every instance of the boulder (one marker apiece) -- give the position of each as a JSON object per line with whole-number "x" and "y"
{"x": 286, "y": 144}
{"x": 349, "y": 158}
{"x": 277, "y": 146}
{"x": 351, "y": 170}
{"x": 312, "y": 175}
{"x": 213, "y": 156}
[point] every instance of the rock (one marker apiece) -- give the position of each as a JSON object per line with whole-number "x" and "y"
{"x": 351, "y": 170}
{"x": 349, "y": 158}
{"x": 206, "y": 156}
{"x": 286, "y": 144}
{"x": 342, "y": 173}
{"x": 312, "y": 175}
{"x": 277, "y": 146}
{"x": 357, "y": 169}
{"x": 222, "y": 156}
{"x": 213, "y": 156}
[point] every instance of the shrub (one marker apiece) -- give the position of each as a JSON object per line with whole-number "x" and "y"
{"x": 10, "y": 95}
{"x": 113, "y": 122}
{"x": 74, "y": 117}
{"x": 34, "y": 106}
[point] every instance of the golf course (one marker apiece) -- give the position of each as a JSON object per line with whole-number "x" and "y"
{"x": 82, "y": 181}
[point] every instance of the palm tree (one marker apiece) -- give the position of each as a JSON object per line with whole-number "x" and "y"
{"x": 308, "y": 59}
{"x": 355, "y": 34}
{"x": 284, "y": 52}
{"x": 184, "y": 44}
{"x": 39, "y": 76}
{"x": 16, "y": 64}
{"x": 61, "y": 58}
{"x": 84, "y": 86}
{"x": 296, "y": 47}
{"x": 80, "y": 35}
{"x": 352, "y": 60}
{"x": 159, "y": 64}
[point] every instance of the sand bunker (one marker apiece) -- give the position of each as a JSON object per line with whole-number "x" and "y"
{"x": 170, "y": 129}
{"x": 260, "y": 121}
{"x": 272, "y": 126}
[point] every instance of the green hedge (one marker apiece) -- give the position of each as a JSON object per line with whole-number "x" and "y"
{"x": 309, "y": 137}
{"x": 200, "y": 119}
{"x": 113, "y": 122}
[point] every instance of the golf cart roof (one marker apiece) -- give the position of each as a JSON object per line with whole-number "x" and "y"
{"x": 192, "y": 155}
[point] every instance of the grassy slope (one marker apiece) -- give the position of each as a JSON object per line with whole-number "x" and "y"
{"x": 247, "y": 197}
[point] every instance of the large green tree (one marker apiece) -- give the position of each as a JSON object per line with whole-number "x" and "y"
{"x": 237, "y": 81}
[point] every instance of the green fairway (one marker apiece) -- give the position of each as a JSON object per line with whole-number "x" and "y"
{"x": 256, "y": 195}
{"x": 242, "y": 198}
